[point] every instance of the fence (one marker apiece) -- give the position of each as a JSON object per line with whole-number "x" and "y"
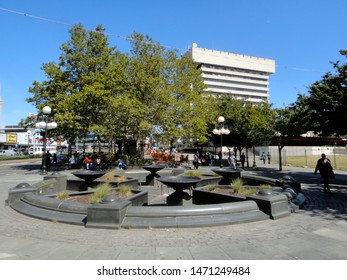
{"x": 304, "y": 156}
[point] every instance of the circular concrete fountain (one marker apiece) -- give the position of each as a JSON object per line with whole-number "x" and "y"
{"x": 138, "y": 213}
{"x": 179, "y": 184}
{"x": 228, "y": 174}
{"x": 89, "y": 176}
{"x": 153, "y": 168}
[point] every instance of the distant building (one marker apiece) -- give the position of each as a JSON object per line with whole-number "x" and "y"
{"x": 245, "y": 77}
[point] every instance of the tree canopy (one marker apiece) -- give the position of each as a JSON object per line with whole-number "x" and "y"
{"x": 95, "y": 88}
{"x": 323, "y": 110}
{"x": 249, "y": 124}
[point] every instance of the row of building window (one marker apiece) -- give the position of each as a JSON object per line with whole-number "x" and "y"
{"x": 234, "y": 82}
{"x": 246, "y": 90}
{"x": 234, "y": 69}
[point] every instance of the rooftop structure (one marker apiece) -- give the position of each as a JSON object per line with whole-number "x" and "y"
{"x": 245, "y": 77}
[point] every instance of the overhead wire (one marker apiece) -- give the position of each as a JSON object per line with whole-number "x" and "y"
{"x": 70, "y": 25}
{"x": 127, "y": 38}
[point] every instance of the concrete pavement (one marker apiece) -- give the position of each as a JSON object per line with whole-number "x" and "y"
{"x": 318, "y": 232}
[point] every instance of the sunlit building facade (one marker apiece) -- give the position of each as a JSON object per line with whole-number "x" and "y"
{"x": 245, "y": 77}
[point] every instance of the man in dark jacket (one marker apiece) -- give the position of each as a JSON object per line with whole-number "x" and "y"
{"x": 326, "y": 171}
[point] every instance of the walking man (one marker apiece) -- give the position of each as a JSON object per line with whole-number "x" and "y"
{"x": 268, "y": 157}
{"x": 326, "y": 171}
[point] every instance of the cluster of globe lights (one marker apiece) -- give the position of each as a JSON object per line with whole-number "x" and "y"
{"x": 44, "y": 124}
{"x": 222, "y": 130}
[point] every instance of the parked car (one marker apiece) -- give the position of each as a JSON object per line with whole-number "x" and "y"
{"x": 62, "y": 159}
{"x": 7, "y": 153}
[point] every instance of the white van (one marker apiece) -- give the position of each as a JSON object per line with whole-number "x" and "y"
{"x": 38, "y": 150}
{"x": 7, "y": 153}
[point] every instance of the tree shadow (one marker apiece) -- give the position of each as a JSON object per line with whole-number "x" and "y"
{"x": 29, "y": 168}
{"x": 317, "y": 203}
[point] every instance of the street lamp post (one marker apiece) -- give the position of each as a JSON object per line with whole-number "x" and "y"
{"x": 279, "y": 138}
{"x": 45, "y": 125}
{"x": 28, "y": 149}
{"x": 220, "y": 130}
{"x": 254, "y": 163}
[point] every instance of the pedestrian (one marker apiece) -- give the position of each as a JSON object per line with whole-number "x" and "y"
{"x": 268, "y": 157}
{"x": 232, "y": 161}
{"x": 196, "y": 160}
{"x": 326, "y": 171}
{"x": 55, "y": 160}
{"x": 46, "y": 159}
{"x": 242, "y": 160}
{"x": 263, "y": 157}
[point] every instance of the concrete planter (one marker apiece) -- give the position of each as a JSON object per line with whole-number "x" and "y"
{"x": 47, "y": 207}
{"x": 107, "y": 215}
{"x": 80, "y": 185}
{"x": 201, "y": 195}
{"x": 207, "y": 180}
{"x": 51, "y": 184}
{"x": 271, "y": 203}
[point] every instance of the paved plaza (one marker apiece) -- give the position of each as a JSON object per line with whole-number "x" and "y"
{"x": 317, "y": 232}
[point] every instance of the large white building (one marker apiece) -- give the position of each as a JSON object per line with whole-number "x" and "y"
{"x": 245, "y": 77}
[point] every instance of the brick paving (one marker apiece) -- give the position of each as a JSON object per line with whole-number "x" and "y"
{"x": 318, "y": 231}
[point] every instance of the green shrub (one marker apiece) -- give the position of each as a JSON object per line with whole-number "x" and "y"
{"x": 110, "y": 175}
{"x": 251, "y": 191}
{"x": 265, "y": 187}
{"x": 63, "y": 195}
{"x": 102, "y": 190}
{"x": 124, "y": 190}
{"x": 238, "y": 185}
{"x": 193, "y": 173}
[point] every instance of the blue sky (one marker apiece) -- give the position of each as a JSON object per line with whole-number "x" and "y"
{"x": 301, "y": 36}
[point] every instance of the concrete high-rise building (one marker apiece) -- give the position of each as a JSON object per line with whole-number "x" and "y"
{"x": 245, "y": 77}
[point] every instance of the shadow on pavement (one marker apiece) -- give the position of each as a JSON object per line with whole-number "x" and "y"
{"x": 317, "y": 203}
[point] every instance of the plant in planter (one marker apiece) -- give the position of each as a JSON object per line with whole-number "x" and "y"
{"x": 238, "y": 185}
{"x": 63, "y": 195}
{"x": 110, "y": 175}
{"x": 100, "y": 192}
{"x": 124, "y": 190}
{"x": 193, "y": 173}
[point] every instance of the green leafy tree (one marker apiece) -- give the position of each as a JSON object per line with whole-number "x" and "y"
{"x": 120, "y": 97}
{"x": 327, "y": 101}
{"x": 249, "y": 124}
{"x": 322, "y": 110}
{"x": 75, "y": 86}
{"x": 168, "y": 89}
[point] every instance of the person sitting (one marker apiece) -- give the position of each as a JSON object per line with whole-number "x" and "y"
{"x": 89, "y": 162}
{"x": 122, "y": 164}
{"x": 71, "y": 161}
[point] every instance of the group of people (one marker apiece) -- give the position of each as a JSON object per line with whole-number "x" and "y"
{"x": 232, "y": 161}
{"x": 208, "y": 159}
{"x": 99, "y": 162}
{"x": 201, "y": 159}
{"x": 267, "y": 156}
